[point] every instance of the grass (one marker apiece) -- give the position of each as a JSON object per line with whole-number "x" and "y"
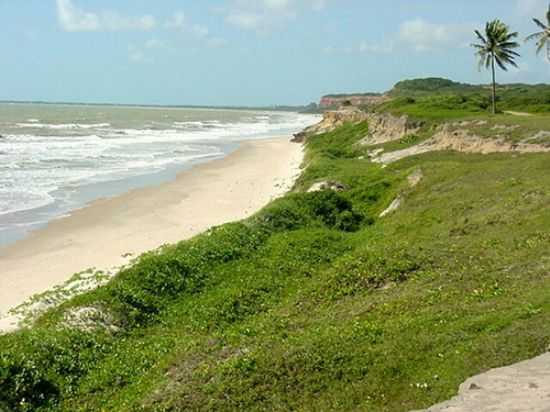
{"x": 514, "y": 128}
{"x": 315, "y": 303}
{"x": 504, "y": 126}
{"x": 435, "y": 99}
{"x": 437, "y": 108}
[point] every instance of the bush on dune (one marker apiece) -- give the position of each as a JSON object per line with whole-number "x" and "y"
{"x": 318, "y": 209}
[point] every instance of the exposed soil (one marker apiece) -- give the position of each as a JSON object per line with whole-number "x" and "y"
{"x": 523, "y": 387}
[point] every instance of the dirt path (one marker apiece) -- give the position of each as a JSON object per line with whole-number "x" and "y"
{"x": 513, "y": 113}
{"x": 523, "y": 387}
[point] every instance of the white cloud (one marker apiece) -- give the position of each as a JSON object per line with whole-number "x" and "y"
{"x": 363, "y": 47}
{"x": 244, "y": 20}
{"x": 200, "y": 30}
{"x": 366, "y": 47}
{"x": 177, "y": 21}
{"x": 425, "y": 36}
{"x": 115, "y": 22}
{"x": 155, "y": 44}
{"x": 284, "y": 5}
{"x": 277, "y": 4}
{"x": 318, "y": 5}
{"x": 74, "y": 19}
{"x": 216, "y": 42}
{"x": 418, "y": 34}
{"x": 135, "y": 54}
{"x": 142, "y": 53}
{"x": 262, "y": 15}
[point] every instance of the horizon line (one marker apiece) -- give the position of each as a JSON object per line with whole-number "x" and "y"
{"x": 145, "y": 105}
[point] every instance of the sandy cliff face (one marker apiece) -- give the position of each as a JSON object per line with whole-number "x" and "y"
{"x": 354, "y": 99}
{"x": 332, "y": 120}
{"x": 385, "y": 127}
{"x": 448, "y": 137}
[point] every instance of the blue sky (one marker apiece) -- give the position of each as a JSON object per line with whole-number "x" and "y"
{"x": 245, "y": 52}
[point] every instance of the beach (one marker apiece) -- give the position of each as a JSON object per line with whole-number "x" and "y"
{"x": 110, "y": 232}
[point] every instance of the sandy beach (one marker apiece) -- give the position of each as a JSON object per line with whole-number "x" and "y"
{"x": 110, "y": 232}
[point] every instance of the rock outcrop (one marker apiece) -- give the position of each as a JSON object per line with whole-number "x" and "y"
{"x": 90, "y": 319}
{"x": 396, "y": 204}
{"x": 523, "y": 387}
{"x": 365, "y": 99}
{"x": 327, "y": 185}
{"x": 384, "y": 127}
{"x": 460, "y": 140}
{"x": 331, "y": 121}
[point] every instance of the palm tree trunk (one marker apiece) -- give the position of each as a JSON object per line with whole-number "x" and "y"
{"x": 494, "y": 85}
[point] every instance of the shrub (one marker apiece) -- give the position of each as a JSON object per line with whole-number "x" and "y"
{"x": 333, "y": 209}
{"x": 35, "y": 365}
{"x": 24, "y": 386}
{"x": 284, "y": 214}
{"x": 347, "y": 221}
{"x": 325, "y": 208}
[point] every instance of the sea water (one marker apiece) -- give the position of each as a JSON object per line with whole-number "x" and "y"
{"x": 58, "y": 158}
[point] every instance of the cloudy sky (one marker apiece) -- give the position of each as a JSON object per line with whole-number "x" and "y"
{"x": 244, "y": 52}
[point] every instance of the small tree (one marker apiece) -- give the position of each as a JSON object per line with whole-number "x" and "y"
{"x": 496, "y": 46}
{"x": 542, "y": 37}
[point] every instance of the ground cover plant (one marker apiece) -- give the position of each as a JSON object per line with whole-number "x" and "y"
{"x": 315, "y": 303}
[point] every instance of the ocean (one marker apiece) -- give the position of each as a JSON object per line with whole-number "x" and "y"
{"x": 58, "y": 158}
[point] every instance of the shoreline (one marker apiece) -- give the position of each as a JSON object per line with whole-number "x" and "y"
{"x": 84, "y": 195}
{"x": 110, "y": 232}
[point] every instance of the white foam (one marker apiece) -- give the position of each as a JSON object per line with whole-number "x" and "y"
{"x": 35, "y": 169}
{"x": 17, "y": 201}
{"x": 34, "y": 124}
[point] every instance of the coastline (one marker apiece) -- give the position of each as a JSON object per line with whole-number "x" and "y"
{"x": 110, "y": 232}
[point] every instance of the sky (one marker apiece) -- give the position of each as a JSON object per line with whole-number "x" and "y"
{"x": 246, "y": 52}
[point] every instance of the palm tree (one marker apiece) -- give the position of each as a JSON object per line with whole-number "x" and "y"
{"x": 496, "y": 46}
{"x": 542, "y": 37}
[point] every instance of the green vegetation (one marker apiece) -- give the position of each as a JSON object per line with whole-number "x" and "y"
{"x": 542, "y": 37}
{"x": 315, "y": 303}
{"x": 429, "y": 85}
{"x": 441, "y": 99}
{"x": 511, "y": 128}
{"x": 438, "y": 107}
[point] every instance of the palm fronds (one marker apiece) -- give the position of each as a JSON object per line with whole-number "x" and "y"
{"x": 542, "y": 37}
